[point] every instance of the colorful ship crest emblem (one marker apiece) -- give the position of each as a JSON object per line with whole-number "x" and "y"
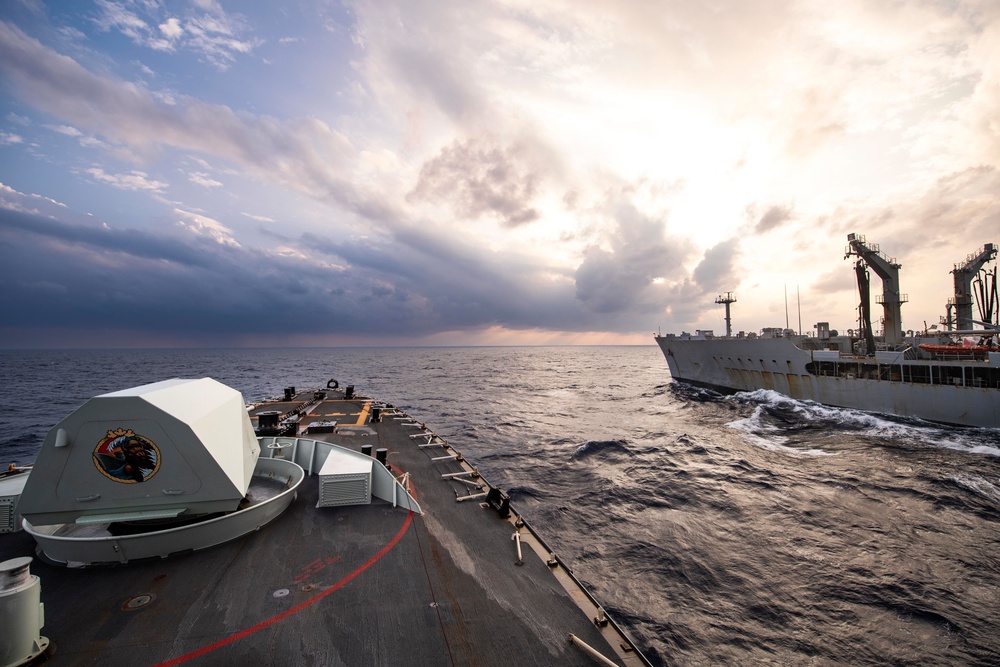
{"x": 124, "y": 456}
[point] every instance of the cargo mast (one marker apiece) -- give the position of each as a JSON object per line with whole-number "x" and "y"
{"x": 888, "y": 270}
{"x": 964, "y": 274}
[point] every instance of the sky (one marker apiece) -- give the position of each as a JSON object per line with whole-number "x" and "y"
{"x": 464, "y": 172}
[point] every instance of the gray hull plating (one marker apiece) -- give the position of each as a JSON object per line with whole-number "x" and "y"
{"x": 950, "y": 396}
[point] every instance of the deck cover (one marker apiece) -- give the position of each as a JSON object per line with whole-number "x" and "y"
{"x": 184, "y": 445}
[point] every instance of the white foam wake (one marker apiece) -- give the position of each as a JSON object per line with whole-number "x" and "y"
{"x": 759, "y": 433}
{"x": 979, "y": 485}
{"x": 971, "y": 440}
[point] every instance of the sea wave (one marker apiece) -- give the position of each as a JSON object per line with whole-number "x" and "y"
{"x": 757, "y": 431}
{"x": 978, "y": 485}
{"x": 601, "y": 448}
{"x": 778, "y": 413}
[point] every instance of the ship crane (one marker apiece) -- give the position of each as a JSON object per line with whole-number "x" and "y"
{"x": 964, "y": 275}
{"x": 888, "y": 270}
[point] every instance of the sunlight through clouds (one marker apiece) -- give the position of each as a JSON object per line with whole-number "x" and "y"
{"x": 506, "y": 170}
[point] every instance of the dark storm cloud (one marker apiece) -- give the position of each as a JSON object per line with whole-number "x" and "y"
{"x": 479, "y": 177}
{"x": 130, "y": 242}
{"x": 58, "y": 275}
{"x": 453, "y": 285}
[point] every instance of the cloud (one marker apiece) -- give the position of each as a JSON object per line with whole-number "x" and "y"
{"x": 965, "y": 200}
{"x": 67, "y": 130}
{"x": 482, "y": 176}
{"x": 200, "y": 225}
{"x": 135, "y": 180}
{"x": 172, "y": 29}
{"x": 210, "y": 33}
{"x": 204, "y": 180}
{"x": 303, "y": 154}
{"x": 832, "y": 282}
{"x": 97, "y": 277}
{"x": 715, "y": 270}
{"x": 433, "y": 73}
{"x": 507, "y": 171}
{"x": 193, "y": 278}
{"x": 619, "y": 277}
{"x": 772, "y": 218}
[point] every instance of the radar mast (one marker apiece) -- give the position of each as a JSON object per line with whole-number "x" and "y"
{"x": 727, "y": 299}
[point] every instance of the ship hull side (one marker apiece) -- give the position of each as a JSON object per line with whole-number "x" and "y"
{"x": 777, "y": 364}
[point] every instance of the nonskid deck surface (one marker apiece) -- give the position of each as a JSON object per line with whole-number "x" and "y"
{"x": 356, "y": 585}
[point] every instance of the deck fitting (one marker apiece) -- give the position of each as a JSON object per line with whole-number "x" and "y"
{"x": 138, "y": 601}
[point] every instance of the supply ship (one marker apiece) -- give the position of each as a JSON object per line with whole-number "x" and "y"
{"x": 951, "y": 375}
{"x": 172, "y": 524}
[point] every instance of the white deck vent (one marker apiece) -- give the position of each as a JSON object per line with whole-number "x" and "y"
{"x": 6, "y": 515}
{"x": 345, "y": 480}
{"x": 10, "y": 490}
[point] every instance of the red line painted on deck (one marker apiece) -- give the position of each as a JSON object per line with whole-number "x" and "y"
{"x": 294, "y": 610}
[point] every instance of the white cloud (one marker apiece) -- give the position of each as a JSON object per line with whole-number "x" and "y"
{"x": 209, "y": 32}
{"x": 303, "y": 154}
{"x": 201, "y": 225}
{"x": 134, "y": 180}
{"x": 203, "y": 180}
{"x": 67, "y": 130}
{"x": 172, "y": 29}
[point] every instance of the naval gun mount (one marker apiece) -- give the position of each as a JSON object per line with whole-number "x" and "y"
{"x": 173, "y": 467}
{"x": 151, "y": 471}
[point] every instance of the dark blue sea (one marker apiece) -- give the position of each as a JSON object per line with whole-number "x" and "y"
{"x": 719, "y": 530}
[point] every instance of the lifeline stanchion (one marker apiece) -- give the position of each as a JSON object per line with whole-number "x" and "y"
{"x": 594, "y": 653}
{"x": 517, "y": 538}
{"x": 473, "y": 496}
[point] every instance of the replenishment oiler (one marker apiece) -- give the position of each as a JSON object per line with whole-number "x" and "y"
{"x": 949, "y": 375}
{"x": 172, "y": 524}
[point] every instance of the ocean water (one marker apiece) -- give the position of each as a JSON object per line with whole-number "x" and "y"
{"x": 746, "y": 529}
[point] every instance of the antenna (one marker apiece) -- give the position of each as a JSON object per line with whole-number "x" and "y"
{"x": 798, "y": 304}
{"x": 786, "y": 307}
{"x": 727, "y": 299}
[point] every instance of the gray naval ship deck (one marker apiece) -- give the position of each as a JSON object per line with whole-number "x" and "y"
{"x": 352, "y": 585}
